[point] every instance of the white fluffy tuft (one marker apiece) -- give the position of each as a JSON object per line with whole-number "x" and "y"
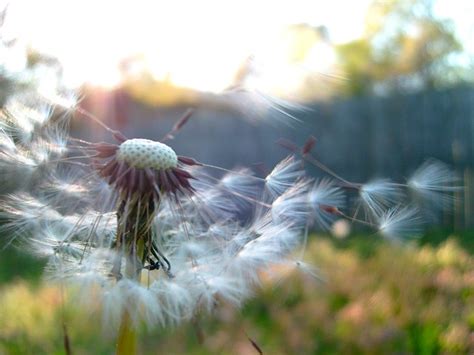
{"x": 323, "y": 196}
{"x": 400, "y": 223}
{"x": 433, "y": 184}
{"x": 285, "y": 174}
{"x": 379, "y": 195}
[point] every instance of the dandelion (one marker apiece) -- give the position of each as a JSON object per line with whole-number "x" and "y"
{"x": 150, "y": 235}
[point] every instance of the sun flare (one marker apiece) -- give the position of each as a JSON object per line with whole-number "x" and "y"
{"x": 198, "y": 45}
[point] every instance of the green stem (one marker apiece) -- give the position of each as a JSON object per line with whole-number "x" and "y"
{"x": 127, "y": 337}
{"x": 135, "y": 234}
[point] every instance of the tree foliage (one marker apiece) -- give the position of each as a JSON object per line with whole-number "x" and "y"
{"x": 405, "y": 47}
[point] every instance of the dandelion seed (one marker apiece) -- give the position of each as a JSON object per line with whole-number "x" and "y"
{"x": 433, "y": 184}
{"x": 325, "y": 199}
{"x": 379, "y": 195}
{"x": 256, "y": 105}
{"x": 283, "y": 176}
{"x": 400, "y": 223}
{"x": 250, "y": 97}
{"x": 308, "y": 146}
{"x": 293, "y": 204}
{"x": 240, "y": 186}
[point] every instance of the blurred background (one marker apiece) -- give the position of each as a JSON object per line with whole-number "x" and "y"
{"x": 381, "y": 85}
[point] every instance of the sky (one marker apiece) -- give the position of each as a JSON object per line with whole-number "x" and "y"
{"x": 195, "y": 44}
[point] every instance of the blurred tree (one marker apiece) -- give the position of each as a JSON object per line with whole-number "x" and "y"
{"x": 405, "y": 47}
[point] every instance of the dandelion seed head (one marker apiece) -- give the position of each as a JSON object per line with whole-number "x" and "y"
{"x": 142, "y": 166}
{"x": 145, "y": 153}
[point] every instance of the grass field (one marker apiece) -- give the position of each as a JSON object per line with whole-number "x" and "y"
{"x": 377, "y": 298}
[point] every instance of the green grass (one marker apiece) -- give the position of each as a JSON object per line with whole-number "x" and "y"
{"x": 15, "y": 264}
{"x": 378, "y": 298}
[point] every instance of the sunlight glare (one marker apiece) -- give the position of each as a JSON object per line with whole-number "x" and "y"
{"x": 198, "y": 45}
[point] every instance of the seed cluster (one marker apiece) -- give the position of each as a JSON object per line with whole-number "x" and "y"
{"x": 144, "y": 153}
